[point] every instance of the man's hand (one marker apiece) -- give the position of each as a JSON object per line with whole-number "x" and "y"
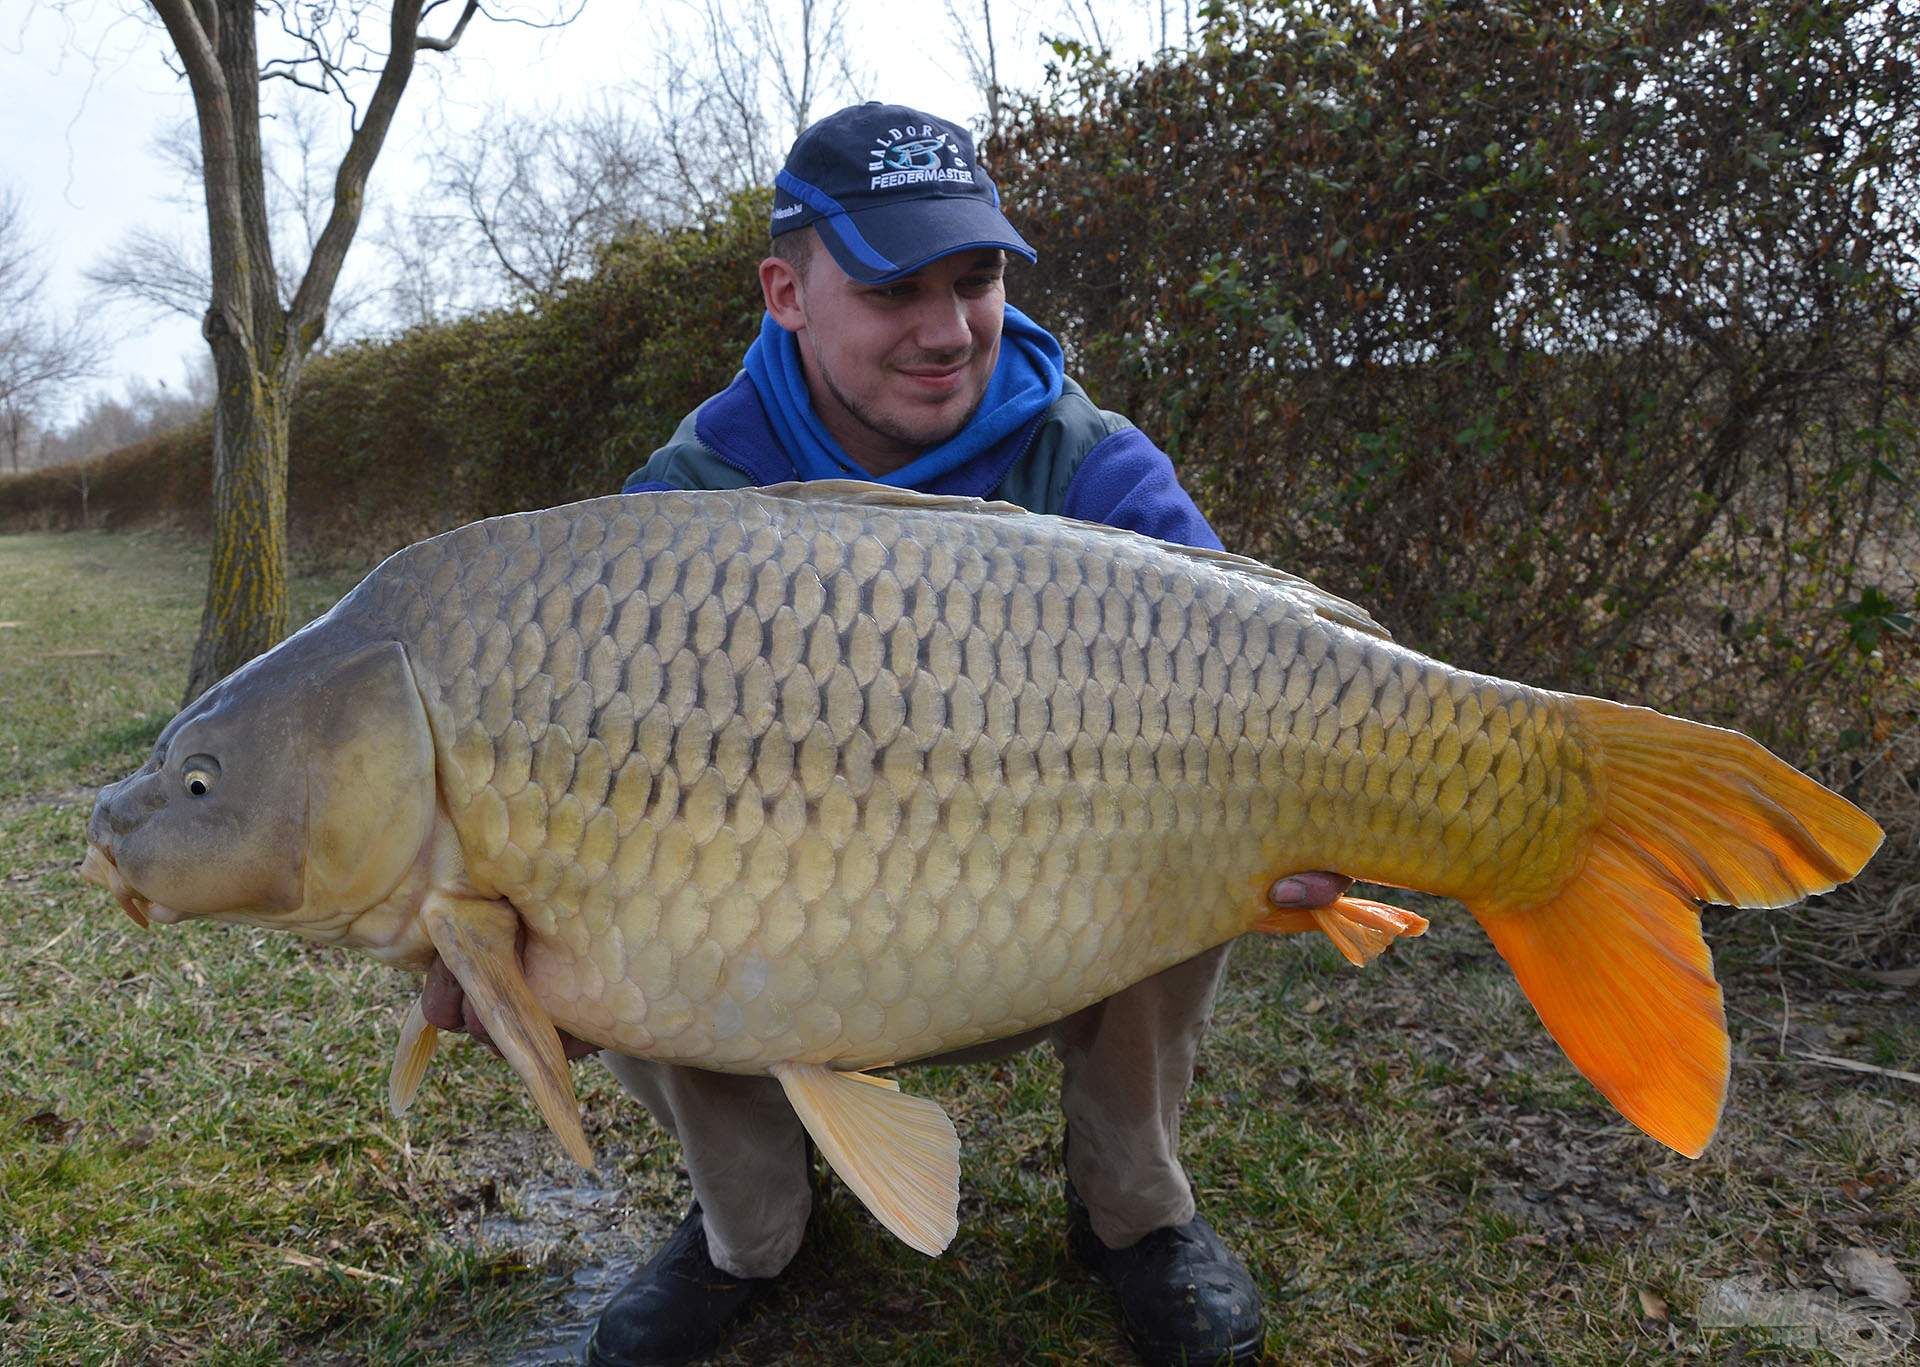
{"x": 1302, "y": 892}
{"x": 444, "y": 1003}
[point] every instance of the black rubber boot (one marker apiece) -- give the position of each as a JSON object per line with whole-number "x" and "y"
{"x": 677, "y": 1308}
{"x": 1184, "y": 1297}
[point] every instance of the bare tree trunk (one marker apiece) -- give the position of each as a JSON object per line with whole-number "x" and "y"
{"x": 246, "y": 606}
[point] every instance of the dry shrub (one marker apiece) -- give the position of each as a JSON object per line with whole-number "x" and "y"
{"x": 166, "y": 479}
{"x": 1578, "y": 341}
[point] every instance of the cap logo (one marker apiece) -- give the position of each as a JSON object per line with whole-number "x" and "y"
{"x": 919, "y": 154}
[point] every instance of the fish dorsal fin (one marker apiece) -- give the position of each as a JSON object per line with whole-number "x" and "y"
{"x": 899, "y": 1153}
{"x": 479, "y": 941}
{"x": 410, "y": 1058}
{"x": 860, "y": 494}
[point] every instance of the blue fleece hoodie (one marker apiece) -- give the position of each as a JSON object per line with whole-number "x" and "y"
{"x": 1069, "y": 458}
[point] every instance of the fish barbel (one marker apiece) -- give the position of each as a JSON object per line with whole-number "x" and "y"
{"x": 814, "y": 779}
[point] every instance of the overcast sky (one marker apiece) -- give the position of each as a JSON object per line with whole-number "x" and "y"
{"x": 83, "y": 89}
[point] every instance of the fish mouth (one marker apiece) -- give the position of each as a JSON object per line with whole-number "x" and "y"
{"x": 98, "y": 868}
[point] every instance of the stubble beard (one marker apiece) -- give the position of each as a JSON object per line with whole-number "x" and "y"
{"x": 880, "y": 424}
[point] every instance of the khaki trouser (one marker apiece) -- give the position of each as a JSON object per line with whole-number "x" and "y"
{"x": 1127, "y": 1062}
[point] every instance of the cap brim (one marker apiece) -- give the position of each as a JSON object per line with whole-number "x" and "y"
{"x": 891, "y": 240}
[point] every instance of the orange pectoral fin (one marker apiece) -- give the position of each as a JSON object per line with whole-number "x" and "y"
{"x": 1360, "y": 929}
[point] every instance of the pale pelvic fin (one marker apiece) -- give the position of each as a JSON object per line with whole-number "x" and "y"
{"x": 898, "y": 1153}
{"x": 479, "y": 941}
{"x": 410, "y": 1058}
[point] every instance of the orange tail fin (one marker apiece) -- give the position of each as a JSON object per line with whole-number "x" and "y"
{"x": 1614, "y": 962}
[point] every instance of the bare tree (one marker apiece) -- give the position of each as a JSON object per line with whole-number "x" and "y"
{"x": 981, "y": 54}
{"x": 1086, "y": 22}
{"x": 106, "y": 422}
{"x": 39, "y": 353}
{"x": 163, "y": 273}
{"x": 715, "y": 148}
{"x": 260, "y": 344}
{"x": 160, "y": 271}
{"x": 729, "y": 101}
{"x": 735, "y": 82}
{"x": 168, "y": 274}
{"x": 429, "y": 274}
{"x": 536, "y": 196}
{"x": 803, "y": 59}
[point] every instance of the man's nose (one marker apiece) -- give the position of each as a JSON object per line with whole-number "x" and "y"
{"x": 942, "y": 324}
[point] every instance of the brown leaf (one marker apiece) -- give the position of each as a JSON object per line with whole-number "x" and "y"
{"x": 49, "y": 1126}
{"x": 1653, "y": 1305}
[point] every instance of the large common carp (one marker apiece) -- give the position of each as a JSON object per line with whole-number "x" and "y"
{"x": 814, "y": 779}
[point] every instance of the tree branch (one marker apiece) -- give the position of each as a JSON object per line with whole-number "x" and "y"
{"x": 270, "y": 75}
{"x": 349, "y": 187}
{"x": 446, "y": 44}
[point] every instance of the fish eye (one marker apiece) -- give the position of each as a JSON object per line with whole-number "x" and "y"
{"x": 199, "y": 773}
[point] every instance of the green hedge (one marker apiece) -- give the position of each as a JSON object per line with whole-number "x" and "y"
{"x": 395, "y": 439}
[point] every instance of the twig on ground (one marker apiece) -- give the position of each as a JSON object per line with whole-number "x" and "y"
{"x": 1891, "y": 977}
{"x": 1855, "y": 1066}
{"x": 1780, "y": 973}
{"x": 327, "y": 1264}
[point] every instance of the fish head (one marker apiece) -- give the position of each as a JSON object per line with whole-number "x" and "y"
{"x": 297, "y": 792}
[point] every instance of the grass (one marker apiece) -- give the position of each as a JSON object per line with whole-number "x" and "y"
{"x": 196, "y": 1162}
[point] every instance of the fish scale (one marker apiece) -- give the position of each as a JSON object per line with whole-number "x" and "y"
{"x": 777, "y": 779}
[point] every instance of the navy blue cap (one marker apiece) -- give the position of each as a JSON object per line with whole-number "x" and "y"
{"x": 890, "y": 189}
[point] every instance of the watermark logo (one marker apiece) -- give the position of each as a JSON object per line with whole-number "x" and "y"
{"x": 1857, "y": 1330}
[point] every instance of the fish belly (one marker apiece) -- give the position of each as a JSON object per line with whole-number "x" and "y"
{"x": 778, "y": 779}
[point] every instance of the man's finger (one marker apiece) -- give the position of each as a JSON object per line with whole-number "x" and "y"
{"x": 441, "y": 997}
{"x": 444, "y": 1003}
{"x": 1309, "y": 889}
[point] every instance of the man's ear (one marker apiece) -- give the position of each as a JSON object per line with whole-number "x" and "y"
{"x": 780, "y": 287}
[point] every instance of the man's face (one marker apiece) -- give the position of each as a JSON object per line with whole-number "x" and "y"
{"x": 896, "y": 368}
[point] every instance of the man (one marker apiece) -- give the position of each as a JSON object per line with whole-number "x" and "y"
{"x": 888, "y": 352}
